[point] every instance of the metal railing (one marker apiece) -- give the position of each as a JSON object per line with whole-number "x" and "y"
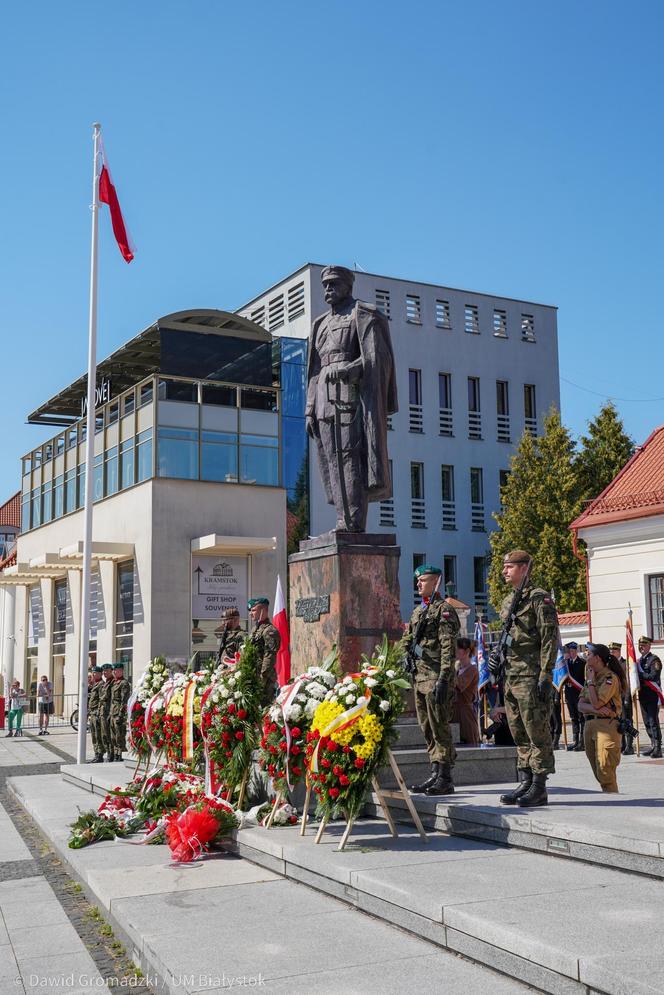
{"x": 503, "y": 428}
{"x": 474, "y": 425}
{"x": 415, "y": 420}
{"x": 445, "y": 421}
{"x": 59, "y": 713}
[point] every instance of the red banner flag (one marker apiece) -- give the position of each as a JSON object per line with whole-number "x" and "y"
{"x": 280, "y": 622}
{"x": 108, "y": 195}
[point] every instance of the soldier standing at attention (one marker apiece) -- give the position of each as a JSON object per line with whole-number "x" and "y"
{"x": 650, "y": 672}
{"x": 531, "y": 656}
{"x": 576, "y": 666}
{"x": 120, "y": 694}
{"x": 104, "y": 711}
{"x": 267, "y": 641}
{"x": 627, "y": 745}
{"x": 232, "y": 637}
{"x": 434, "y": 627}
{"x": 93, "y": 716}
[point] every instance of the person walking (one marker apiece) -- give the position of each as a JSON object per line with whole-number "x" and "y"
{"x": 465, "y": 692}
{"x": 45, "y": 699}
{"x": 16, "y": 703}
{"x": 600, "y": 703}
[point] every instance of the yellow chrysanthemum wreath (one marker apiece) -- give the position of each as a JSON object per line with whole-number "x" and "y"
{"x": 364, "y": 735}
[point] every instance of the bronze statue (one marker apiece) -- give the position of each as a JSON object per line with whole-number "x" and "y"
{"x": 351, "y": 389}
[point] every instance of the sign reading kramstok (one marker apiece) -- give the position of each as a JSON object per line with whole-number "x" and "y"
{"x": 218, "y": 582}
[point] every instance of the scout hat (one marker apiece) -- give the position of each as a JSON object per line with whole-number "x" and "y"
{"x": 252, "y": 602}
{"x": 427, "y": 568}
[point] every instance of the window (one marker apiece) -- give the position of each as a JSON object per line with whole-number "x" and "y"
{"x": 476, "y": 499}
{"x": 177, "y": 390}
{"x": 60, "y": 445}
{"x": 386, "y": 508}
{"x": 219, "y": 456}
{"x": 419, "y": 559}
{"x": 177, "y": 453}
{"x": 127, "y": 463}
{"x": 36, "y": 508}
{"x": 59, "y": 617}
{"x": 99, "y": 423}
{"x": 71, "y": 438}
{"x": 58, "y": 496}
{"x": 25, "y": 512}
{"x": 128, "y": 403}
{"x": 258, "y": 400}
{"x": 259, "y": 460}
{"x": 450, "y": 573}
{"x": 656, "y": 604}
{"x": 528, "y": 327}
{"x": 417, "y": 496}
{"x": 413, "y": 309}
{"x": 503, "y": 410}
{"x": 145, "y": 394}
{"x": 48, "y": 452}
{"x": 113, "y": 412}
{"x": 112, "y": 482}
{"x": 474, "y": 416}
{"x": 471, "y": 319}
{"x": 224, "y": 397}
{"x": 296, "y": 301}
{"x": 479, "y": 582}
{"x": 98, "y": 478}
{"x": 70, "y": 491}
{"x": 124, "y": 616}
{"x": 445, "y": 404}
{"x": 144, "y": 455}
{"x": 415, "y": 400}
{"x": 275, "y": 313}
{"x": 529, "y": 408}
{"x": 383, "y": 302}
{"x": 443, "y": 319}
{"x": 447, "y": 491}
{"x": 47, "y": 502}
{"x": 27, "y": 465}
{"x": 80, "y": 497}
{"x": 500, "y": 323}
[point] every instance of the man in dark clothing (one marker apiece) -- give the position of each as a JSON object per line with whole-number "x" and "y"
{"x": 576, "y": 667}
{"x": 650, "y": 695}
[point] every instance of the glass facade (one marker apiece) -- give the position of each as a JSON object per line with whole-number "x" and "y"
{"x": 292, "y": 358}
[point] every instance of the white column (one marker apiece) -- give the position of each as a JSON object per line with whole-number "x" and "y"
{"x": 8, "y": 616}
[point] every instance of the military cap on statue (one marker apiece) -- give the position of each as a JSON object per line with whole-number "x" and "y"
{"x": 252, "y": 602}
{"x": 338, "y": 273}
{"x": 427, "y": 568}
{"x": 107, "y": 666}
{"x": 615, "y": 646}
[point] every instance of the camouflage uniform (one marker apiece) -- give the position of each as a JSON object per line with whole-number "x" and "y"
{"x": 94, "y": 720}
{"x": 438, "y": 646}
{"x": 120, "y": 695}
{"x": 104, "y": 712}
{"x": 231, "y": 642}
{"x": 531, "y": 657}
{"x": 267, "y": 641}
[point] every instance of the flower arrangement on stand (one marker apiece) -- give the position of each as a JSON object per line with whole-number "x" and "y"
{"x": 352, "y": 730}
{"x": 182, "y": 723}
{"x": 149, "y": 684}
{"x": 155, "y": 718}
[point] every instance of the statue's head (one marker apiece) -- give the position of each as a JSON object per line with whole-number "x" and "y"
{"x": 337, "y": 284}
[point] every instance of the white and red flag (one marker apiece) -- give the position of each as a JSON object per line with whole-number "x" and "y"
{"x": 108, "y": 195}
{"x": 280, "y": 622}
{"x": 632, "y": 667}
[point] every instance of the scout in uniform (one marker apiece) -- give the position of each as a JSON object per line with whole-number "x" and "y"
{"x": 233, "y": 637}
{"x": 531, "y": 656}
{"x": 267, "y": 641}
{"x": 601, "y": 704}
{"x": 434, "y": 627}
{"x": 627, "y": 745}
{"x": 120, "y": 695}
{"x": 104, "y": 711}
{"x": 93, "y": 716}
{"x": 650, "y": 673}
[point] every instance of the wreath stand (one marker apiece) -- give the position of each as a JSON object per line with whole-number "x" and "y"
{"x": 383, "y": 796}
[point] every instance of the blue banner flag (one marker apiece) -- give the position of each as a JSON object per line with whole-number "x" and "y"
{"x": 560, "y": 671}
{"x": 481, "y": 657}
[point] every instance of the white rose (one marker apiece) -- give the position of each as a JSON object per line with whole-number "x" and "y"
{"x": 385, "y": 706}
{"x": 301, "y": 698}
{"x": 370, "y": 682}
{"x": 362, "y": 701}
{"x": 215, "y": 697}
{"x": 350, "y": 699}
{"x": 238, "y": 694}
{"x": 328, "y": 677}
{"x": 390, "y": 673}
{"x": 316, "y": 690}
{"x": 224, "y": 692}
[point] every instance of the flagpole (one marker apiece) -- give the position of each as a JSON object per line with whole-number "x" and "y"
{"x": 633, "y": 694}
{"x": 89, "y": 460}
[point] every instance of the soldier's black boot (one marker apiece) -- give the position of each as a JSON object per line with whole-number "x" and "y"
{"x": 525, "y": 780}
{"x": 536, "y": 793}
{"x": 443, "y": 783}
{"x": 657, "y": 750}
{"x": 575, "y": 744}
{"x": 419, "y": 789}
{"x": 629, "y": 746}
{"x": 646, "y": 753}
{"x": 98, "y": 758}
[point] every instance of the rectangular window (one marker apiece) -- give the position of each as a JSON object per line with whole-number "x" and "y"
{"x": 145, "y": 394}
{"x": 219, "y": 456}
{"x": 124, "y": 616}
{"x": 479, "y": 582}
{"x": 127, "y": 463}
{"x": 414, "y": 386}
{"x": 419, "y": 559}
{"x": 528, "y": 327}
{"x": 471, "y": 319}
{"x": 59, "y": 617}
{"x": 177, "y": 390}
{"x": 223, "y": 397}
{"x": 98, "y": 478}
{"x": 383, "y": 302}
{"x": 144, "y": 455}
{"x": 413, "y": 309}
{"x": 259, "y": 460}
{"x": 296, "y": 301}
{"x": 275, "y": 313}
{"x": 503, "y": 410}
{"x": 60, "y": 445}
{"x": 417, "y": 496}
{"x": 500, "y": 323}
{"x": 258, "y": 316}
{"x": 177, "y": 453}
{"x": 58, "y": 497}
{"x": 443, "y": 318}
{"x": 445, "y": 425}
{"x": 36, "y": 508}
{"x": 113, "y": 412}
{"x": 450, "y": 573}
{"x": 447, "y": 490}
{"x": 70, "y": 491}
{"x": 71, "y": 438}
{"x": 25, "y": 512}
{"x": 47, "y": 502}
{"x": 656, "y": 605}
{"x": 128, "y": 403}
{"x": 474, "y": 416}
{"x": 530, "y": 408}
{"x": 476, "y": 499}
{"x": 112, "y": 482}
{"x": 258, "y": 400}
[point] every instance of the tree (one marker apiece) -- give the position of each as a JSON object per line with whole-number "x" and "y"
{"x": 540, "y": 499}
{"x": 602, "y": 452}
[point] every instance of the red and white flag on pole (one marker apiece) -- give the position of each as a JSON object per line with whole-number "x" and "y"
{"x": 634, "y": 679}
{"x": 108, "y": 195}
{"x": 280, "y": 622}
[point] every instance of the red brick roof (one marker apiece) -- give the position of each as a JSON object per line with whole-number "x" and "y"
{"x": 573, "y": 618}
{"x": 637, "y": 491}
{"x": 10, "y": 512}
{"x": 9, "y": 561}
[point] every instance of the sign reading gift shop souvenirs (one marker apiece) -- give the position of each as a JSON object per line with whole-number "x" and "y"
{"x": 218, "y": 582}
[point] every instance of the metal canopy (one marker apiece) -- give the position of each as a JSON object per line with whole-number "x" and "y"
{"x": 233, "y": 544}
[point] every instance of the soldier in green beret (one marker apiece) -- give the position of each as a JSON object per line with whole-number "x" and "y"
{"x": 267, "y": 641}
{"x": 120, "y": 694}
{"x": 433, "y": 628}
{"x": 104, "y": 711}
{"x": 93, "y": 716}
{"x": 531, "y": 655}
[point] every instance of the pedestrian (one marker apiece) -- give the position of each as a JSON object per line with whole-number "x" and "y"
{"x": 16, "y": 703}
{"x": 45, "y": 698}
{"x": 465, "y": 692}
{"x": 104, "y": 711}
{"x": 267, "y": 641}
{"x": 433, "y": 629}
{"x": 650, "y": 690}
{"x": 600, "y": 703}
{"x": 232, "y": 636}
{"x": 627, "y": 741}
{"x": 120, "y": 695}
{"x": 576, "y": 668}
{"x": 94, "y": 717}
{"x": 531, "y": 655}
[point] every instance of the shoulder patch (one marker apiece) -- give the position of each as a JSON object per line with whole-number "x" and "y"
{"x": 609, "y": 680}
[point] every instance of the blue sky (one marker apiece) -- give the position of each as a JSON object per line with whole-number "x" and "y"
{"x": 514, "y": 148}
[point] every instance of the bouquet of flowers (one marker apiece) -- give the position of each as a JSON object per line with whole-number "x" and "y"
{"x": 182, "y": 722}
{"x": 150, "y": 683}
{"x": 190, "y": 833}
{"x": 352, "y": 730}
{"x": 287, "y": 722}
{"x": 230, "y": 713}
{"x": 155, "y": 717}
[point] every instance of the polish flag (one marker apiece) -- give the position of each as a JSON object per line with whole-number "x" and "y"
{"x": 634, "y": 679}
{"x": 108, "y": 195}
{"x": 280, "y": 622}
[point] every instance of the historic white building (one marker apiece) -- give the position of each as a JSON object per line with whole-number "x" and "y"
{"x": 474, "y": 371}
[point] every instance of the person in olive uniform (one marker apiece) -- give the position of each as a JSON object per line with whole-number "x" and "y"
{"x": 650, "y": 670}
{"x": 232, "y": 637}
{"x": 601, "y": 705}
{"x": 120, "y": 695}
{"x": 104, "y": 711}
{"x": 93, "y": 716}
{"x": 531, "y": 656}
{"x": 435, "y": 652}
{"x": 627, "y": 742}
{"x": 267, "y": 641}
{"x": 576, "y": 667}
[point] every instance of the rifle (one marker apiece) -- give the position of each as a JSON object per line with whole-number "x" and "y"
{"x": 498, "y": 656}
{"x": 413, "y": 649}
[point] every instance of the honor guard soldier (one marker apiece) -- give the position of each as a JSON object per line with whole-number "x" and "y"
{"x": 531, "y": 651}
{"x": 576, "y": 667}
{"x": 267, "y": 641}
{"x": 650, "y": 692}
{"x": 93, "y": 716}
{"x": 627, "y": 744}
{"x": 232, "y": 637}
{"x": 433, "y": 630}
{"x": 120, "y": 695}
{"x": 104, "y": 711}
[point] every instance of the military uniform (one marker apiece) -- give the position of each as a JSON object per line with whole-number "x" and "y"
{"x": 231, "y": 642}
{"x": 267, "y": 641}
{"x": 627, "y": 742}
{"x": 120, "y": 695}
{"x": 438, "y": 646}
{"x": 600, "y": 735}
{"x": 650, "y": 669}
{"x": 556, "y": 720}
{"x": 577, "y": 670}
{"x": 94, "y": 720}
{"x": 104, "y": 712}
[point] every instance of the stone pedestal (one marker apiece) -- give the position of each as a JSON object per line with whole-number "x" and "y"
{"x": 344, "y": 590}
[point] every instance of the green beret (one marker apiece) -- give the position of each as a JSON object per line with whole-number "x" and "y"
{"x": 118, "y": 666}
{"x": 252, "y": 602}
{"x": 426, "y": 568}
{"x": 107, "y": 666}
{"x": 97, "y": 669}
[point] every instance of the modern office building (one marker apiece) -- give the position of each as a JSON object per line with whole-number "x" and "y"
{"x": 190, "y": 483}
{"x": 474, "y": 371}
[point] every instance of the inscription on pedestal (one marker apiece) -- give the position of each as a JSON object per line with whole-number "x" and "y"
{"x": 311, "y": 609}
